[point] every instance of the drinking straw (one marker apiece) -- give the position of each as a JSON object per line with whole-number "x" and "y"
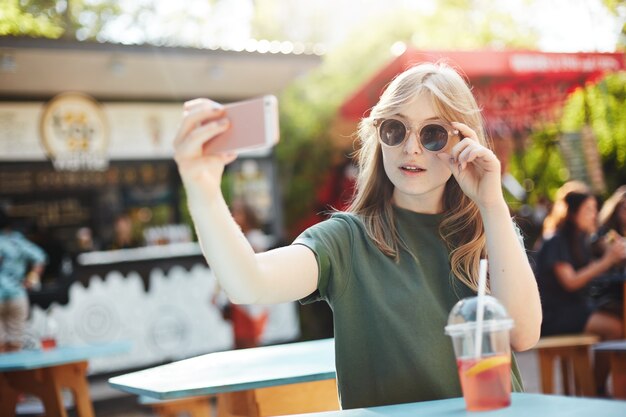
{"x": 480, "y": 307}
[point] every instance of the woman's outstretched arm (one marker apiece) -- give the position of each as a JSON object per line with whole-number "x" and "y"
{"x": 283, "y": 274}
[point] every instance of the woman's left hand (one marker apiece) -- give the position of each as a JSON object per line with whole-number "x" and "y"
{"x": 475, "y": 167}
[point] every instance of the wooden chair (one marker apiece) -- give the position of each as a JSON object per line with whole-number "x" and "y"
{"x": 573, "y": 354}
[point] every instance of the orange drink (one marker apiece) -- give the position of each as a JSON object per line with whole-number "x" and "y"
{"x": 482, "y": 351}
{"x": 486, "y": 382}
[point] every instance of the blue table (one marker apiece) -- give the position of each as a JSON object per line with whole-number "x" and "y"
{"x": 522, "y": 405}
{"x": 272, "y": 380}
{"x": 44, "y": 373}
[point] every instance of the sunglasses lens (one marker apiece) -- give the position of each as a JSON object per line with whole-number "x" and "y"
{"x": 434, "y": 137}
{"x": 392, "y": 132}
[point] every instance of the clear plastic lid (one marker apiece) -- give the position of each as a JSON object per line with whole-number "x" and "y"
{"x": 462, "y": 317}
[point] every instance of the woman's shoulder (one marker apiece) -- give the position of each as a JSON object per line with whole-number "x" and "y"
{"x": 347, "y": 217}
{"x": 340, "y": 220}
{"x": 338, "y": 224}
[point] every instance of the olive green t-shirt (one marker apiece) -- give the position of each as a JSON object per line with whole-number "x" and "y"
{"x": 388, "y": 316}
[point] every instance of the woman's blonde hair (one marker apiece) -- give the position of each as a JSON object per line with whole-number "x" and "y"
{"x": 462, "y": 228}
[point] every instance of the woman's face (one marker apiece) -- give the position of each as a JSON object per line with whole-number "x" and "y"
{"x": 586, "y": 218}
{"x": 418, "y": 176}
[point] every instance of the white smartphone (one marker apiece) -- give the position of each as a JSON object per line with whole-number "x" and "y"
{"x": 253, "y": 126}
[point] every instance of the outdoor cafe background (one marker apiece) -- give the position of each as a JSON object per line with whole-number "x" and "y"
{"x": 38, "y": 176}
{"x": 73, "y": 162}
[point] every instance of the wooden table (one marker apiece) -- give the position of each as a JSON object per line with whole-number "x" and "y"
{"x": 44, "y": 373}
{"x": 270, "y": 380}
{"x": 522, "y": 405}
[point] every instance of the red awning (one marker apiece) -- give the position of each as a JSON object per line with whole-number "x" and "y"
{"x": 516, "y": 89}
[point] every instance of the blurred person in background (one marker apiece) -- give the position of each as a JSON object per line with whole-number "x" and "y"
{"x": 608, "y": 295}
{"x": 21, "y": 265}
{"x": 565, "y": 268}
{"x": 123, "y": 233}
{"x": 559, "y": 208}
{"x": 85, "y": 241}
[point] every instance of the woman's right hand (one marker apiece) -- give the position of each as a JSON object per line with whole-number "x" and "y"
{"x": 616, "y": 251}
{"x": 200, "y": 170}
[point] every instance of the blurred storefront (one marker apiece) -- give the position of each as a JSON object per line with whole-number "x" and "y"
{"x": 86, "y": 169}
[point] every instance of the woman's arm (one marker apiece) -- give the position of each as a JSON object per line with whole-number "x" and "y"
{"x": 572, "y": 280}
{"x": 511, "y": 277}
{"x": 477, "y": 170}
{"x": 283, "y": 274}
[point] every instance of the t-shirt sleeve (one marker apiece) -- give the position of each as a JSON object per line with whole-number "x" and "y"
{"x": 331, "y": 242}
{"x": 553, "y": 251}
{"x": 32, "y": 252}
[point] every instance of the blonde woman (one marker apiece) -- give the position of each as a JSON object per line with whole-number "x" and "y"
{"x": 428, "y": 206}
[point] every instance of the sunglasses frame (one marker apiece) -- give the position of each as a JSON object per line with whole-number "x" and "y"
{"x": 409, "y": 128}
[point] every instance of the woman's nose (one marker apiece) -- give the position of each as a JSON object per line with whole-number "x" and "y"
{"x": 412, "y": 144}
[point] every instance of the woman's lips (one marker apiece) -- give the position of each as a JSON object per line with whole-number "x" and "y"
{"x": 412, "y": 169}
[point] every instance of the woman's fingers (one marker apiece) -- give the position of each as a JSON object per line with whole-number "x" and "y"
{"x": 468, "y": 149}
{"x": 471, "y": 153}
{"x": 227, "y": 158}
{"x": 465, "y": 131}
{"x": 192, "y": 143}
{"x": 196, "y": 114}
{"x": 459, "y": 149}
{"x": 200, "y": 102}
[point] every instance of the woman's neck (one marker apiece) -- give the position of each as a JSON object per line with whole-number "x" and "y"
{"x": 420, "y": 204}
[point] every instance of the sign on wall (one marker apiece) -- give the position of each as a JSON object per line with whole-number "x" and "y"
{"x": 78, "y": 133}
{"x": 74, "y": 133}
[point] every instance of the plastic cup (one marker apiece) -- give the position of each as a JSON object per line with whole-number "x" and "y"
{"x": 485, "y": 376}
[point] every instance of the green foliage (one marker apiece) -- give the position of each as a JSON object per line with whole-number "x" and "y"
{"x": 606, "y": 108}
{"x": 15, "y": 21}
{"x": 603, "y": 107}
{"x": 539, "y": 165}
{"x": 304, "y": 152}
{"x": 71, "y": 19}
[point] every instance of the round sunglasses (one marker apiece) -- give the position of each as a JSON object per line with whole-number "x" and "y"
{"x": 432, "y": 135}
